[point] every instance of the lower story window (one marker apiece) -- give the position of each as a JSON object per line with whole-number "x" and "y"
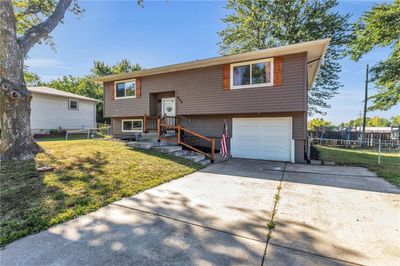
{"x": 132, "y": 125}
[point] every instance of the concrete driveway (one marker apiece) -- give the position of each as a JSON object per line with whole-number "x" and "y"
{"x": 219, "y": 216}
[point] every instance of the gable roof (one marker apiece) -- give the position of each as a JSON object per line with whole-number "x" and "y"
{"x": 315, "y": 52}
{"x": 55, "y": 92}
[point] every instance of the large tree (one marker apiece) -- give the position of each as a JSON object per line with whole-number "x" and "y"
{"x": 259, "y": 24}
{"x": 23, "y": 23}
{"x": 380, "y": 27}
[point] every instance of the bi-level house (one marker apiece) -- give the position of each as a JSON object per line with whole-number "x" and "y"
{"x": 261, "y": 95}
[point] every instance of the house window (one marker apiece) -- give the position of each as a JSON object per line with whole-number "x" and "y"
{"x": 125, "y": 89}
{"x": 132, "y": 125}
{"x": 252, "y": 74}
{"x": 73, "y": 104}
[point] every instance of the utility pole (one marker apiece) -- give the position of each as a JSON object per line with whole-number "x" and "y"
{"x": 365, "y": 103}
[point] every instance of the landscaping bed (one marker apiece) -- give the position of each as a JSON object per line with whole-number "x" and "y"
{"x": 87, "y": 175}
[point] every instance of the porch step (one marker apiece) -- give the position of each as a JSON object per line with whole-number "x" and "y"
{"x": 143, "y": 144}
{"x": 167, "y": 149}
{"x": 149, "y": 137}
{"x": 180, "y": 153}
{"x": 205, "y": 162}
{"x": 194, "y": 157}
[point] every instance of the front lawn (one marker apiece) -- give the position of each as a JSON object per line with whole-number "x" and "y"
{"x": 390, "y": 162}
{"x": 88, "y": 174}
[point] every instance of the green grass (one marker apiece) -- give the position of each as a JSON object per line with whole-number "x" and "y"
{"x": 88, "y": 174}
{"x": 390, "y": 162}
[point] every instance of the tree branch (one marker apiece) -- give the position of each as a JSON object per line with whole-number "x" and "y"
{"x": 42, "y": 30}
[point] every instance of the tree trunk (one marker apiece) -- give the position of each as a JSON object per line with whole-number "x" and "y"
{"x": 16, "y": 139}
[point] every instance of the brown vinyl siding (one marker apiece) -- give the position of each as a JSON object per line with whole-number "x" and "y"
{"x": 212, "y": 125}
{"x": 201, "y": 92}
{"x": 203, "y": 104}
{"x": 116, "y": 124}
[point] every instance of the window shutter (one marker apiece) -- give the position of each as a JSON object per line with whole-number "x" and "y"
{"x": 278, "y": 69}
{"x": 227, "y": 78}
{"x": 112, "y": 90}
{"x": 138, "y": 88}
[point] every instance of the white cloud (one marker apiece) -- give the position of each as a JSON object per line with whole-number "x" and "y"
{"x": 47, "y": 78}
{"x": 42, "y": 62}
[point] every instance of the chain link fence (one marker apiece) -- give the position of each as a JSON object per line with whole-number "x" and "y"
{"x": 90, "y": 133}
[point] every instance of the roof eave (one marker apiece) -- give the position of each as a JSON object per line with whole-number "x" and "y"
{"x": 67, "y": 96}
{"x": 276, "y": 51}
{"x": 324, "y": 49}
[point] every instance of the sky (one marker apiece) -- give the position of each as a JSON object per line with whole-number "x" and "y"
{"x": 169, "y": 32}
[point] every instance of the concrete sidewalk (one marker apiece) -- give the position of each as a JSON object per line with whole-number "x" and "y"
{"x": 218, "y": 216}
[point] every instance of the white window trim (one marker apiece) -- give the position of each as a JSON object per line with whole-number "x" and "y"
{"x": 69, "y": 105}
{"x": 271, "y": 60}
{"x": 131, "y": 120}
{"x": 123, "y": 81}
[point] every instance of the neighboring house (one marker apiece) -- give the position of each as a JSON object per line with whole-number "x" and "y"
{"x": 55, "y": 109}
{"x": 262, "y": 95}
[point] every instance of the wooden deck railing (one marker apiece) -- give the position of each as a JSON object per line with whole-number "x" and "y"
{"x": 170, "y": 130}
{"x": 150, "y": 123}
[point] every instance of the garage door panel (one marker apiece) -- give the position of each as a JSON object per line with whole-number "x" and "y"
{"x": 262, "y": 138}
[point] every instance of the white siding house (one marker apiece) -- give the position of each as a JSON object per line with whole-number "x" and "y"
{"x": 54, "y": 109}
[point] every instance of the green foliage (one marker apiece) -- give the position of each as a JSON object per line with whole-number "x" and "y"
{"x": 29, "y": 13}
{"x": 85, "y": 87}
{"x": 318, "y": 122}
{"x": 260, "y": 24}
{"x": 57, "y": 131}
{"x": 124, "y": 66}
{"x": 395, "y": 121}
{"x": 31, "y": 79}
{"x": 380, "y": 27}
{"x": 375, "y": 121}
{"x": 78, "y": 85}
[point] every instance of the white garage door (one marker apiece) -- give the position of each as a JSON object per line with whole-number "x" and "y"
{"x": 262, "y": 138}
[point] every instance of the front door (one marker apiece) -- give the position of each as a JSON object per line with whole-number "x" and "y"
{"x": 168, "y": 107}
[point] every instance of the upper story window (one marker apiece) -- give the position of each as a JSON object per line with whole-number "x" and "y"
{"x": 252, "y": 74}
{"x": 125, "y": 89}
{"x": 73, "y": 104}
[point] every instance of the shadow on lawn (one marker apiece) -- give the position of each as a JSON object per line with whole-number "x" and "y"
{"x": 175, "y": 159}
{"x": 30, "y": 204}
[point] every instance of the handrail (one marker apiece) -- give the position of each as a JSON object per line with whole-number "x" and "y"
{"x": 180, "y": 139}
{"x": 146, "y": 119}
{"x": 171, "y": 125}
{"x": 196, "y": 134}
